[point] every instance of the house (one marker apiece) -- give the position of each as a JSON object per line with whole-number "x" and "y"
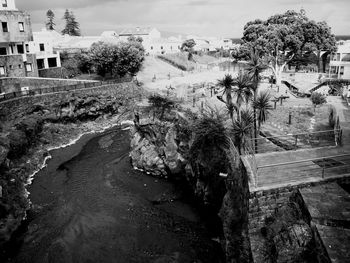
{"x": 146, "y": 33}
{"x": 43, "y": 47}
{"x": 16, "y": 58}
{"x": 340, "y": 61}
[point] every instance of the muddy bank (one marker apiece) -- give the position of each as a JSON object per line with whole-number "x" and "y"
{"x": 89, "y": 205}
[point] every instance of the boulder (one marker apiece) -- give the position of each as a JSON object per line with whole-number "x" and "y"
{"x": 3, "y": 154}
{"x": 173, "y": 159}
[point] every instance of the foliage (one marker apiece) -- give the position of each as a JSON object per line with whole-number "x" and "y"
{"x": 135, "y": 39}
{"x": 318, "y": 99}
{"x": 50, "y": 24}
{"x": 160, "y": 105}
{"x": 210, "y": 136}
{"x": 187, "y": 46}
{"x": 178, "y": 60}
{"x": 242, "y": 129}
{"x": 263, "y": 106}
{"x": 72, "y": 27}
{"x": 227, "y": 83}
{"x": 243, "y": 87}
{"x": 281, "y": 37}
{"x": 332, "y": 117}
{"x": 121, "y": 59}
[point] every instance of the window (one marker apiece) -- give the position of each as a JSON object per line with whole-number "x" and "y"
{"x": 12, "y": 49}
{"x": 20, "y": 49}
{"x": 21, "y": 26}
{"x": 338, "y": 57}
{"x": 3, "y": 51}
{"x": 341, "y": 70}
{"x": 20, "y": 66}
{"x": 52, "y": 62}
{"x": 40, "y": 63}
{"x": 152, "y": 48}
{"x": 11, "y": 67}
{"x": 4, "y": 3}
{"x": 42, "y": 47}
{"x": 2, "y": 71}
{"x": 4, "y": 27}
{"x": 27, "y": 48}
{"x": 29, "y": 67}
{"x": 161, "y": 47}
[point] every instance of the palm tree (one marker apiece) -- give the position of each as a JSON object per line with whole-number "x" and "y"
{"x": 242, "y": 129}
{"x": 242, "y": 89}
{"x": 254, "y": 68}
{"x": 263, "y": 106}
{"x": 226, "y": 83}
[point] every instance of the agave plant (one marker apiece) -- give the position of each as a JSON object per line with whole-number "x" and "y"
{"x": 243, "y": 86}
{"x": 242, "y": 129}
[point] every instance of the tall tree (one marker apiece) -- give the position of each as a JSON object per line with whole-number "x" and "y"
{"x": 227, "y": 83}
{"x": 50, "y": 24}
{"x": 188, "y": 46}
{"x": 255, "y": 67}
{"x": 242, "y": 89}
{"x": 72, "y": 27}
{"x": 281, "y": 37}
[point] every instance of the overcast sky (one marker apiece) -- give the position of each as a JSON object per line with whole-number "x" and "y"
{"x": 224, "y": 18}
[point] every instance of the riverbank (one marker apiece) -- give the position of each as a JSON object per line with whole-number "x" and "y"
{"x": 89, "y": 204}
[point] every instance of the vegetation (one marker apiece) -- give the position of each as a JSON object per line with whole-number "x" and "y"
{"x": 72, "y": 27}
{"x": 187, "y": 46}
{"x": 160, "y": 105}
{"x": 50, "y": 24}
{"x": 179, "y": 60}
{"x": 117, "y": 60}
{"x": 283, "y": 36}
{"x": 262, "y": 105}
{"x": 318, "y": 99}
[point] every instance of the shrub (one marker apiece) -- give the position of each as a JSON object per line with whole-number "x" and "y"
{"x": 318, "y": 99}
{"x": 332, "y": 117}
{"x": 179, "y": 60}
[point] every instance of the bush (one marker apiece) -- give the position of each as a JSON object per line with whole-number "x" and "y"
{"x": 332, "y": 117}
{"x": 318, "y": 99}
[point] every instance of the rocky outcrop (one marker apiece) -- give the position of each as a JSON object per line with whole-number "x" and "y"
{"x": 155, "y": 148}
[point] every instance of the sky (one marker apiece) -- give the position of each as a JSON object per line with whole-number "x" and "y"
{"x": 219, "y": 18}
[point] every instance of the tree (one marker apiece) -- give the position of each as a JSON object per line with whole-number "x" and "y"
{"x": 187, "y": 46}
{"x": 280, "y": 38}
{"x": 226, "y": 83}
{"x": 72, "y": 27}
{"x": 263, "y": 106}
{"x": 50, "y": 24}
{"x": 118, "y": 60}
{"x": 242, "y": 129}
{"x": 242, "y": 88}
{"x": 255, "y": 67}
{"x": 318, "y": 99}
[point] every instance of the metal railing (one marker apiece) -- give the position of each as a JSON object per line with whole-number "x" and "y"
{"x": 297, "y": 141}
{"x": 323, "y": 167}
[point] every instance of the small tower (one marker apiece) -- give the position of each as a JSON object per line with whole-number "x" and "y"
{"x": 7, "y": 5}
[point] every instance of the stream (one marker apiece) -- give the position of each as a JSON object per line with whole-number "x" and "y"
{"x": 89, "y": 205}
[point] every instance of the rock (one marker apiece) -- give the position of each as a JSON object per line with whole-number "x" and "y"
{"x": 0, "y": 191}
{"x": 173, "y": 159}
{"x": 3, "y": 154}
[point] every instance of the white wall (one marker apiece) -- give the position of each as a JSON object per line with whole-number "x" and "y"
{"x": 11, "y": 5}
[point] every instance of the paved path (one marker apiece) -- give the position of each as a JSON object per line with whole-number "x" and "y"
{"x": 329, "y": 208}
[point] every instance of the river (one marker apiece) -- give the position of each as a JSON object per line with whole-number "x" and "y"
{"x": 89, "y": 205}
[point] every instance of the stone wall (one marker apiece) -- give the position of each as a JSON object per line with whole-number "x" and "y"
{"x": 8, "y": 85}
{"x": 20, "y": 106}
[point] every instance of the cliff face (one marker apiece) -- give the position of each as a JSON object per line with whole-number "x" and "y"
{"x": 161, "y": 149}
{"x": 30, "y": 126}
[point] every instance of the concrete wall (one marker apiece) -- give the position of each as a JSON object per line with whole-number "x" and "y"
{"x": 57, "y": 73}
{"x": 8, "y": 85}
{"x": 14, "y": 35}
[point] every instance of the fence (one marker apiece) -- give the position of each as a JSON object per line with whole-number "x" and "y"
{"x": 297, "y": 141}
{"x": 35, "y": 92}
{"x": 323, "y": 167}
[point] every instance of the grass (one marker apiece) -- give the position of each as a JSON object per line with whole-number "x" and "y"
{"x": 180, "y": 60}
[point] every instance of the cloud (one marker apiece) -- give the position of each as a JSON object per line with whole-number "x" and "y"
{"x": 202, "y": 17}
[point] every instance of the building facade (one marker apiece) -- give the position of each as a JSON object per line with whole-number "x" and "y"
{"x": 16, "y": 58}
{"x": 340, "y": 61}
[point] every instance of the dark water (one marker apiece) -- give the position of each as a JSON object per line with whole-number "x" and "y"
{"x": 89, "y": 205}
{"x": 231, "y": 66}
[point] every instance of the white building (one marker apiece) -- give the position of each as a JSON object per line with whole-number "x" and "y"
{"x": 43, "y": 46}
{"x": 146, "y": 33}
{"x": 340, "y": 61}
